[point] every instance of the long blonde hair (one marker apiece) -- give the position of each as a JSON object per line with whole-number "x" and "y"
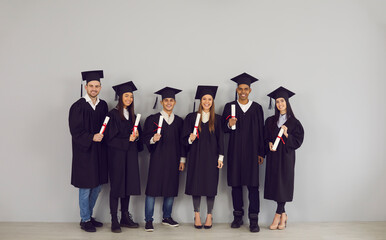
{"x": 212, "y": 117}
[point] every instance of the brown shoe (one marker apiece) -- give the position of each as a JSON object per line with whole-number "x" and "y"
{"x": 283, "y": 221}
{"x": 275, "y": 222}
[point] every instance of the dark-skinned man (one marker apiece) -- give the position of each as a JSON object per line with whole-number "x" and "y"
{"x": 245, "y": 150}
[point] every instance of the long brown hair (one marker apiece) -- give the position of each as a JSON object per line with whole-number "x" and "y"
{"x": 212, "y": 117}
{"x": 130, "y": 108}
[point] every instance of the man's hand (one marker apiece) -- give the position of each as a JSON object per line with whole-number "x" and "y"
{"x": 97, "y": 137}
{"x": 232, "y": 121}
{"x": 192, "y": 137}
{"x": 156, "y": 137}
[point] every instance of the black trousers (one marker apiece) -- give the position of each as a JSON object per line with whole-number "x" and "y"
{"x": 114, "y": 204}
{"x": 253, "y": 196}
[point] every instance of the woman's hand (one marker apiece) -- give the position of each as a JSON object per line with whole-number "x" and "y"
{"x": 192, "y": 137}
{"x": 284, "y": 127}
{"x": 260, "y": 159}
{"x": 182, "y": 167}
{"x": 271, "y": 146}
{"x": 133, "y": 137}
{"x": 156, "y": 137}
{"x": 220, "y": 164}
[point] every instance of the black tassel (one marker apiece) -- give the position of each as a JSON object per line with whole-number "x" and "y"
{"x": 81, "y": 90}
{"x": 116, "y": 97}
{"x": 270, "y": 103}
{"x": 236, "y": 96}
{"x": 155, "y": 104}
{"x": 194, "y": 106}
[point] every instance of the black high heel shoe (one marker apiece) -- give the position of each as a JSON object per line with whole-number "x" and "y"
{"x": 196, "y": 226}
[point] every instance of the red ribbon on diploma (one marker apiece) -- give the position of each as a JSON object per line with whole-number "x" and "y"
{"x": 157, "y": 127}
{"x": 281, "y": 139}
{"x": 104, "y": 127}
{"x": 197, "y": 132}
{"x": 230, "y": 116}
{"x": 133, "y": 129}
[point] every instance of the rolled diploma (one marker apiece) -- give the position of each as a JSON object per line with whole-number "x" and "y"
{"x": 136, "y": 122}
{"x": 196, "y": 124}
{"x": 161, "y": 120}
{"x": 278, "y": 139}
{"x": 233, "y": 114}
{"x": 103, "y": 128}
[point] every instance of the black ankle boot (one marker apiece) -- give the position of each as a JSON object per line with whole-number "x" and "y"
{"x": 115, "y": 227}
{"x": 127, "y": 221}
{"x": 238, "y": 219}
{"x": 254, "y": 222}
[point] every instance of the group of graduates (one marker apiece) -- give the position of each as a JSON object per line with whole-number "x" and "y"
{"x": 196, "y": 141}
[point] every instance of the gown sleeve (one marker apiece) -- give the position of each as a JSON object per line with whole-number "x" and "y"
{"x": 140, "y": 139}
{"x": 187, "y": 130}
{"x": 267, "y": 135}
{"x": 112, "y": 131}
{"x": 261, "y": 148}
{"x": 79, "y": 134}
{"x": 148, "y": 133}
{"x": 220, "y": 135}
{"x": 182, "y": 146}
{"x": 295, "y": 138}
{"x": 225, "y": 114}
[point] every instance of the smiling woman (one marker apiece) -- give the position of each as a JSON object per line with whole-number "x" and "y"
{"x": 123, "y": 147}
{"x": 205, "y": 153}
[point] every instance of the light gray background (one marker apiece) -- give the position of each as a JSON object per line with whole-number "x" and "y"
{"x": 332, "y": 53}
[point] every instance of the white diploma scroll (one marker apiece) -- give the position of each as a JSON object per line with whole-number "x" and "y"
{"x": 196, "y": 124}
{"x": 103, "y": 128}
{"x": 233, "y": 115}
{"x": 161, "y": 120}
{"x": 136, "y": 122}
{"x": 278, "y": 139}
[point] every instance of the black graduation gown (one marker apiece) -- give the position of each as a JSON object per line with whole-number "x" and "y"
{"x": 163, "y": 176}
{"x": 280, "y": 165}
{"x": 246, "y": 143}
{"x": 123, "y": 156}
{"x": 203, "y": 153}
{"x": 89, "y": 159}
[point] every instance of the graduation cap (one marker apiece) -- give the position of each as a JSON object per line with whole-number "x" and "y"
{"x": 280, "y": 92}
{"x": 88, "y": 76}
{"x": 204, "y": 90}
{"x": 124, "y": 88}
{"x": 244, "y": 78}
{"x": 166, "y": 92}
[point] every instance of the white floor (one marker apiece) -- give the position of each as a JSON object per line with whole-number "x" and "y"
{"x": 298, "y": 231}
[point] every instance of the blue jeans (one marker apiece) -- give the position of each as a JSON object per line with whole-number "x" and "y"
{"x": 87, "y": 200}
{"x": 149, "y": 207}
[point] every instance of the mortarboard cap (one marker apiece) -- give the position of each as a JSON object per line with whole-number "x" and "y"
{"x": 123, "y": 88}
{"x": 203, "y": 90}
{"x": 88, "y": 76}
{"x": 280, "y": 92}
{"x": 166, "y": 92}
{"x": 244, "y": 78}
{"x": 95, "y": 75}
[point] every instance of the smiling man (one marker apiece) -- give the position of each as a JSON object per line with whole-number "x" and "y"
{"x": 166, "y": 152}
{"x": 245, "y": 150}
{"x": 89, "y": 162}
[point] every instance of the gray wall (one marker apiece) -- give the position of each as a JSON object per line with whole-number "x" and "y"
{"x": 331, "y": 53}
